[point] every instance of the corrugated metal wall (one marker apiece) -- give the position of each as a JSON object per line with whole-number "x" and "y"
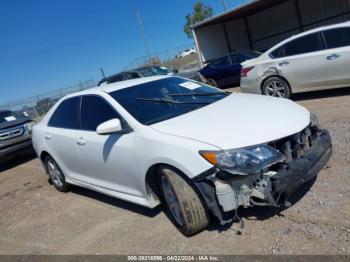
{"x": 275, "y": 24}
{"x": 270, "y": 26}
{"x": 212, "y": 40}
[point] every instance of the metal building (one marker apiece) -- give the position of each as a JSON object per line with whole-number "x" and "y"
{"x": 260, "y": 24}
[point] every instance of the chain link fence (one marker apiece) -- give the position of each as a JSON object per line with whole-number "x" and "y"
{"x": 39, "y": 105}
{"x": 182, "y": 58}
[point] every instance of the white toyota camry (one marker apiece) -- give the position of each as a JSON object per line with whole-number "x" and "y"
{"x": 197, "y": 149}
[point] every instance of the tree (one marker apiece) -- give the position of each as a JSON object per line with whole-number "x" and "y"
{"x": 200, "y": 13}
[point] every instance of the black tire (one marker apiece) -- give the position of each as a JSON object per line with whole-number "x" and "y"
{"x": 193, "y": 216}
{"x": 212, "y": 82}
{"x": 277, "y": 87}
{"x": 57, "y": 179}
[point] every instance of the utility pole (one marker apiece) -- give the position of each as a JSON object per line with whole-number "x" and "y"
{"x": 102, "y": 72}
{"x": 225, "y": 5}
{"x": 142, "y": 30}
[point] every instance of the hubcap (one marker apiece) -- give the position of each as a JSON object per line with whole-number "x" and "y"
{"x": 276, "y": 88}
{"x": 55, "y": 174}
{"x": 212, "y": 82}
{"x": 172, "y": 201}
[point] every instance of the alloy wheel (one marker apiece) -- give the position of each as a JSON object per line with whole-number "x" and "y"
{"x": 276, "y": 88}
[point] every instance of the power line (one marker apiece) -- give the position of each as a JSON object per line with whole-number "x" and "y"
{"x": 142, "y": 30}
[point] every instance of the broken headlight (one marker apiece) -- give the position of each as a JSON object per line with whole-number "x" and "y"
{"x": 250, "y": 160}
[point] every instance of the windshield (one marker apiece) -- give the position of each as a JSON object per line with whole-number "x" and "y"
{"x": 8, "y": 116}
{"x": 163, "y": 99}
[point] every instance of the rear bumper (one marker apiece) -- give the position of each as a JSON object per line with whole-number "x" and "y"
{"x": 10, "y": 150}
{"x": 250, "y": 86}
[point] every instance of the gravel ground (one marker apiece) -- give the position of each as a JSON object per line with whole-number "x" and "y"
{"x": 36, "y": 219}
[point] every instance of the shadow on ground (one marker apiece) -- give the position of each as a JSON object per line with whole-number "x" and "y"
{"x": 17, "y": 160}
{"x": 117, "y": 202}
{"x": 253, "y": 213}
{"x": 321, "y": 94}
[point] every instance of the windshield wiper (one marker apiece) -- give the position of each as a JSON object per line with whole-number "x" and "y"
{"x": 169, "y": 101}
{"x": 197, "y": 94}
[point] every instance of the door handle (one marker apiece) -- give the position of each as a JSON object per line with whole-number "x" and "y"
{"x": 333, "y": 57}
{"x": 47, "y": 137}
{"x": 284, "y": 63}
{"x": 81, "y": 141}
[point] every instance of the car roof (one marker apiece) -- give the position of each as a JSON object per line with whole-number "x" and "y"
{"x": 315, "y": 30}
{"x": 120, "y": 85}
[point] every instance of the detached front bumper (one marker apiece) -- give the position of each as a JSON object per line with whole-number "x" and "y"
{"x": 225, "y": 192}
{"x": 302, "y": 170}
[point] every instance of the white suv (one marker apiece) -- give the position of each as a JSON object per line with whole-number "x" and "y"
{"x": 195, "y": 148}
{"x": 314, "y": 60}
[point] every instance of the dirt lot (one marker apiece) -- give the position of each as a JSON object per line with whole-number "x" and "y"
{"x": 36, "y": 219}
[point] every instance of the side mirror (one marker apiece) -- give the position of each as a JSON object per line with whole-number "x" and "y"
{"x": 109, "y": 127}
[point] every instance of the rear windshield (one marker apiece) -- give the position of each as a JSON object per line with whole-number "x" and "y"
{"x": 163, "y": 99}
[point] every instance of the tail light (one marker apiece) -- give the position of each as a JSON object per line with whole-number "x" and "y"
{"x": 245, "y": 71}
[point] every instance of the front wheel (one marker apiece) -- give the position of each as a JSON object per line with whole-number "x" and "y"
{"x": 182, "y": 203}
{"x": 277, "y": 87}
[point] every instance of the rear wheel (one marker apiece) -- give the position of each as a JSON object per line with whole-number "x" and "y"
{"x": 56, "y": 176}
{"x": 277, "y": 87}
{"x": 182, "y": 203}
{"x": 212, "y": 82}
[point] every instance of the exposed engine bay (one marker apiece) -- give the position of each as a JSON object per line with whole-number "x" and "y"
{"x": 304, "y": 155}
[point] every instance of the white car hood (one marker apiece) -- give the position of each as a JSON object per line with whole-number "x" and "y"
{"x": 239, "y": 120}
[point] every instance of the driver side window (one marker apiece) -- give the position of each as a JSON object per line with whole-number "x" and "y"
{"x": 95, "y": 111}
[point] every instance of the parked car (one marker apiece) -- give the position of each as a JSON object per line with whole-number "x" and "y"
{"x": 186, "y": 52}
{"x": 155, "y": 71}
{"x": 313, "y": 60}
{"x": 191, "y": 146}
{"x": 122, "y": 76}
{"x": 226, "y": 70}
{"x": 138, "y": 73}
{"x": 15, "y": 133}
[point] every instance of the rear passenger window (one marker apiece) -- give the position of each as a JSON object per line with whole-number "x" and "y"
{"x": 337, "y": 37}
{"x": 305, "y": 44}
{"x": 66, "y": 114}
{"x": 222, "y": 62}
{"x": 277, "y": 53}
{"x": 237, "y": 59}
{"x": 94, "y": 111}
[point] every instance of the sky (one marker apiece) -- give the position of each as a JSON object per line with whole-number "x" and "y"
{"x": 50, "y": 44}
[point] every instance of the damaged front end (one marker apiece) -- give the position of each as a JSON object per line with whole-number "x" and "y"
{"x": 267, "y": 175}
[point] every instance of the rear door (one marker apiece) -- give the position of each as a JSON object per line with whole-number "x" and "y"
{"x": 301, "y": 61}
{"x": 222, "y": 70}
{"x": 236, "y": 67}
{"x": 338, "y": 56}
{"x": 60, "y": 135}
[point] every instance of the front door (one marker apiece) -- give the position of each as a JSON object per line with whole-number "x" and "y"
{"x": 107, "y": 161}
